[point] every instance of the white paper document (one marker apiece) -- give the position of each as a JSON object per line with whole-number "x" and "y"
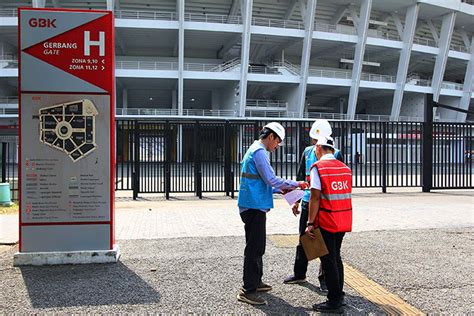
{"x": 293, "y": 196}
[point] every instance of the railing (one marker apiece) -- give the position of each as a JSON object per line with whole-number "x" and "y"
{"x": 263, "y": 69}
{"x": 332, "y": 28}
{"x": 384, "y": 35}
{"x": 8, "y": 111}
{"x": 313, "y": 72}
{"x": 174, "y": 112}
{"x": 213, "y": 18}
{"x": 459, "y": 48}
{"x": 427, "y": 83}
{"x": 146, "y": 65}
{"x": 424, "y": 41}
{"x": 227, "y": 66}
{"x": 286, "y": 24}
{"x": 145, "y": 15}
{"x": 9, "y": 100}
{"x": 419, "y": 82}
{"x": 266, "y": 103}
{"x": 378, "y": 78}
{"x": 294, "y": 69}
{"x": 9, "y": 63}
{"x": 8, "y": 12}
{"x": 452, "y": 85}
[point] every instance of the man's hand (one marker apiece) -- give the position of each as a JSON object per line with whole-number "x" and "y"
{"x": 309, "y": 231}
{"x": 303, "y": 185}
{"x": 295, "y": 208}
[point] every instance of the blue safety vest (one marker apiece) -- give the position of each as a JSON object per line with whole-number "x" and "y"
{"x": 310, "y": 159}
{"x": 253, "y": 191}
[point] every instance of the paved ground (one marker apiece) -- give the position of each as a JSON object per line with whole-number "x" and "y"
{"x": 185, "y": 256}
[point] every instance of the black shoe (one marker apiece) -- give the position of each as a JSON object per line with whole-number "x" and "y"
{"x": 294, "y": 280}
{"x": 264, "y": 287}
{"x": 322, "y": 286}
{"x": 251, "y": 298}
{"x": 328, "y": 307}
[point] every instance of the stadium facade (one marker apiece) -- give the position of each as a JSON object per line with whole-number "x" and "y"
{"x": 338, "y": 59}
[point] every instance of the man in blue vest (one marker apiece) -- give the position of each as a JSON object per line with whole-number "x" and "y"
{"x": 258, "y": 182}
{"x": 319, "y": 129}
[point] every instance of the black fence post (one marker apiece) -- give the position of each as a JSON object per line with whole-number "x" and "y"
{"x": 232, "y": 184}
{"x": 227, "y": 157}
{"x": 4, "y": 162}
{"x": 197, "y": 160}
{"x": 384, "y": 157}
{"x": 167, "y": 159}
{"x": 427, "y": 145}
{"x": 136, "y": 158}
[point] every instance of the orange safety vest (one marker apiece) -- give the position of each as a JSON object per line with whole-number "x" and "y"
{"x": 335, "y": 206}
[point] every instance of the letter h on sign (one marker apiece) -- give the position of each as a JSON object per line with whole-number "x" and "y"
{"x": 88, "y": 43}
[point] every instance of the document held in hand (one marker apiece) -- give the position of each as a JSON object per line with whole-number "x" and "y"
{"x": 314, "y": 247}
{"x": 293, "y": 196}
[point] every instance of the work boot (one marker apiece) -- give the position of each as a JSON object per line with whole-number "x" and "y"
{"x": 264, "y": 287}
{"x": 329, "y": 307}
{"x": 251, "y": 298}
{"x": 294, "y": 280}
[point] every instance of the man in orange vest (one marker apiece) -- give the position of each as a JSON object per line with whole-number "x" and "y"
{"x": 330, "y": 209}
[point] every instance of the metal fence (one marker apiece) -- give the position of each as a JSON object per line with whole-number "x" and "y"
{"x": 204, "y": 156}
{"x": 9, "y": 161}
{"x": 199, "y": 156}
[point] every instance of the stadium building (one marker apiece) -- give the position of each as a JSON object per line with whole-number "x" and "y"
{"x": 338, "y": 59}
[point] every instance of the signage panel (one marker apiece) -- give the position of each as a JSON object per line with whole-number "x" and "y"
{"x": 66, "y": 130}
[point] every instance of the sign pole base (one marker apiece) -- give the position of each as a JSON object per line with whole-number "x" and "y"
{"x": 66, "y": 257}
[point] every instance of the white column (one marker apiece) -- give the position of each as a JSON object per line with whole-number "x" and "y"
{"x": 246, "y": 9}
{"x": 180, "y": 57}
{"x": 467, "y": 88}
{"x": 362, "y": 27}
{"x": 404, "y": 61}
{"x": 306, "y": 53}
{"x": 38, "y": 3}
{"x": 444, "y": 43}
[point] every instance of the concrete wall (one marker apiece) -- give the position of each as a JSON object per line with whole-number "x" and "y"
{"x": 445, "y": 114}
{"x": 228, "y": 96}
{"x": 413, "y": 104}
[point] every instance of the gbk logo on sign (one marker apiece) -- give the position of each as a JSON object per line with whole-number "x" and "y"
{"x": 339, "y": 185}
{"x": 42, "y": 22}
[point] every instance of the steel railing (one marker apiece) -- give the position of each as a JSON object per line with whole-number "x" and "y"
{"x": 313, "y": 72}
{"x": 332, "y": 28}
{"x": 146, "y": 65}
{"x": 459, "y": 48}
{"x": 174, "y": 112}
{"x": 378, "y": 78}
{"x": 286, "y": 24}
{"x": 258, "y": 103}
{"x": 424, "y": 41}
{"x": 213, "y": 18}
{"x": 9, "y": 100}
{"x": 145, "y": 15}
{"x": 294, "y": 69}
{"x": 8, "y": 12}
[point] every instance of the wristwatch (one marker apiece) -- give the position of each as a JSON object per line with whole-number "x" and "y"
{"x": 309, "y": 224}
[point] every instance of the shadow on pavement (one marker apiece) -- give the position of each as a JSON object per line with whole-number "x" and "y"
{"x": 86, "y": 285}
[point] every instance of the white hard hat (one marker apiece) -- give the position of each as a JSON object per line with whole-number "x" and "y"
{"x": 326, "y": 141}
{"x": 277, "y": 128}
{"x": 320, "y": 128}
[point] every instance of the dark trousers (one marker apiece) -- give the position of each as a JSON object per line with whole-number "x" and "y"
{"x": 332, "y": 265}
{"x": 301, "y": 262}
{"x": 255, "y": 240}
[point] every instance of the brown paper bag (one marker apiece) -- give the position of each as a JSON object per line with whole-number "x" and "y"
{"x": 314, "y": 247}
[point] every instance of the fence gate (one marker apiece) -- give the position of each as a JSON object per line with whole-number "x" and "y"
{"x": 453, "y": 151}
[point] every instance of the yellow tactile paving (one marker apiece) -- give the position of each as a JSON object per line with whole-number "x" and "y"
{"x": 388, "y": 302}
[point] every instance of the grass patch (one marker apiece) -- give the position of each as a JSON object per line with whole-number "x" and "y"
{"x": 13, "y": 209}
